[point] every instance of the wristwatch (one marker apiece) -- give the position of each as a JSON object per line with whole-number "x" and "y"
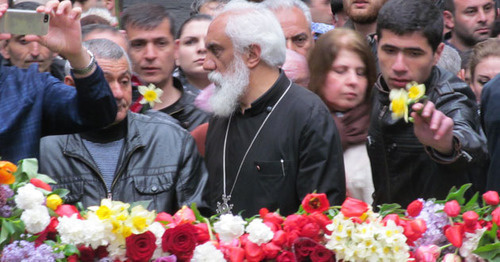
{"x": 88, "y": 68}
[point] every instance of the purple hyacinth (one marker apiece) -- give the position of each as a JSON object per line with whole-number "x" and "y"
{"x": 435, "y": 223}
{"x": 6, "y": 203}
{"x": 25, "y": 251}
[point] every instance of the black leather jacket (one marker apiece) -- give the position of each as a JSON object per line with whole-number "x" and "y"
{"x": 159, "y": 162}
{"x": 403, "y": 169}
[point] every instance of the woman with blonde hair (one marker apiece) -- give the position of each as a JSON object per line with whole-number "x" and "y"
{"x": 484, "y": 64}
{"x": 342, "y": 72}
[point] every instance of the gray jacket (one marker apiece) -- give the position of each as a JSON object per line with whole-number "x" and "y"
{"x": 159, "y": 162}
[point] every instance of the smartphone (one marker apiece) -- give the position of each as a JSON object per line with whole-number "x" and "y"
{"x": 24, "y": 22}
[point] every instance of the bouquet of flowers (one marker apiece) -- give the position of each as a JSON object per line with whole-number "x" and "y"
{"x": 36, "y": 225}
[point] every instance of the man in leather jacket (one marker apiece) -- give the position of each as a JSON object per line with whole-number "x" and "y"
{"x": 443, "y": 146}
{"x": 137, "y": 158}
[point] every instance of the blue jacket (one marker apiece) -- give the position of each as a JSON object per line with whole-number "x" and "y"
{"x": 34, "y": 104}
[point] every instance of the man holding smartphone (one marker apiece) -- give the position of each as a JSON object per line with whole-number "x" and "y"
{"x": 34, "y": 104}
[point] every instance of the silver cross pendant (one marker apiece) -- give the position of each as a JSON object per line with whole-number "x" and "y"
{"x": 225, "y": 207}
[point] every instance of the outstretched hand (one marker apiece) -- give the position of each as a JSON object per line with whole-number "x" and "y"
{"x": 64, "y": 35}
{"x": 432, "y": 127}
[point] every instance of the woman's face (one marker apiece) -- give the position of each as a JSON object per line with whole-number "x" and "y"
{"x": 191, "y": 50}
{"x": 346, "y": 82}
{"x": 485, "y": 70}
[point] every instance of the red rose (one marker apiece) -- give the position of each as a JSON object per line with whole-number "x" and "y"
{"x": 322, "y": 254}
{"x": 202, "y": 234}
{"x": 303, "y": 247}
{"x": 141, "y": 247}
{"x": 353, "y": 207}
{"x": 286, "y": 256}
{"x": 86, "y": 254}
{"x": 164, "y": 218}
{"x": 253, "y": 252}
{"x": 496, "y": 216}
{"x": 66, "y": 210}
{"x": 452, "y": 208}
{"x": 414, "y": 208}
{"x": 491, "y": 198}
{"x": 455, "y": 234}
{"x": 321, "y": 219}
{"x": 311, "y": 230}
{"x": 279, "y": 238}
{"x": 180, "y": 241}
{"x": 72, "y": 258}
{"x": 40, "y": 184}
{"x": 101, "y": 252}
{"x": 315, "y": 203}
{"x": 273, "y": 218}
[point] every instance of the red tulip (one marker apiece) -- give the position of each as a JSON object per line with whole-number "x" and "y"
{"x": 470, "y": 218}
{"x": 451, "y": 257}
{"x": 270, "y": 250}
{"x": 452, "y": 208}
{"x": 253, "y": 252}
{"x": 353, "y": 207}
{"x": 428, "y": 253}
{"x": 66, "y": 210}
{"x": 418, "y": 225}
{"x": 414, "y": 208}
{"x": 496, "y": 216}
{"x": 315, "y": 203}
{"x": 491, "y": 198}
{"x": 455, "y": 234}
{"x": 164, "y": 217}
{"x": 393, "y": 217}
{"x": 236, "y": 254}
{"x": 279, "y": 238}
{"x": 184, "y": 215}
{"x": 40, "y": 184}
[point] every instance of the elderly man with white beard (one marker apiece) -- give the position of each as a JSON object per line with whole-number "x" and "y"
{"x": 270, "y": 141}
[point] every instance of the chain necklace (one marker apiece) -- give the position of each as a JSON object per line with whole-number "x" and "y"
{"x": 225, "y": 207}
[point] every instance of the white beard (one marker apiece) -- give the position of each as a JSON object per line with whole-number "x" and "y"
{"x": 229, "y": 88}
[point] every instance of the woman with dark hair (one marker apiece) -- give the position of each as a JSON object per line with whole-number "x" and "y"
{"x": 342, "y": 72}
{"x": 190, "y": 53}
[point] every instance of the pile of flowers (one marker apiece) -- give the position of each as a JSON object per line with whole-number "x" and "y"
{"x": 36, "y": 225}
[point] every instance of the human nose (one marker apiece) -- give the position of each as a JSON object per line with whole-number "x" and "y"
{"x": 208, "y": 64}
{"x": 116, "y": 89}
{"x": 201, "y": 47}
{"x": 35, "y": 49}
{"x": 399, "y": 63}
{"x": 352, "y": 78}
{"x": 150, "y": 52}
{"x": 481, "y": 16}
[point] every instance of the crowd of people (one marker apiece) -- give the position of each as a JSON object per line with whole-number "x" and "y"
{"x": 258, "y": 102}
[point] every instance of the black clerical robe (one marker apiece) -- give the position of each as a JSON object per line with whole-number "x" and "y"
{"x": 297, "y": 152}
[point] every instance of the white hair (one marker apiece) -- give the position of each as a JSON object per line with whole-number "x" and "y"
{"x": 254, "y": 24}
{"x": 101, "y": 12}
{"x": 450, "y": 60}
{"x": 274, "y": 5}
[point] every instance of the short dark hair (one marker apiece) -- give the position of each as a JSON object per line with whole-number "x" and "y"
{"x": 449, "y": 5}
{"x": 403, "y": 17}
{"x": 196, "y": 17}
{"x": 146, "y": 16}
{"x": 337, "y": 6}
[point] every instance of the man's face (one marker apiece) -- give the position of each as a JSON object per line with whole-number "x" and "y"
{"x": 118, "y": 76}
{"x": 473, "y": 20}
{"x": 297, "y": 31}
{"x": 321, "y": 11}
{"x": 405, "y": 58}
{"x": 229, "y": 72}
{"x": 363, "y": 11}
{"x": 22, "y": 53}
{"x": 152, "y": 53}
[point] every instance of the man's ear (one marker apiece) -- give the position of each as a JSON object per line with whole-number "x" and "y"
{"x": 253, "y": 56}
{"x": 437, "y": 54}
{"x": 68, "y": 80}
{"x": 4, "y": 50}
{"x": 449, "y": 20}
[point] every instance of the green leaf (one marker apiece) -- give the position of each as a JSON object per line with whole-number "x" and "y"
{"x": 8, "y": 226}
{"x": 458, "y": 195}
{"x": 4, "y": 234}
{"x": 197, "y": 213}
{"x": 70, "y": 250}
{"x": 62, "y": 192}
{"x": 46, "y": 179}
{"x": 387, "y": 209}
{"x": 29, "y": 167}
{"x": 472, "y": 204}
{"x": 489, "y": 252}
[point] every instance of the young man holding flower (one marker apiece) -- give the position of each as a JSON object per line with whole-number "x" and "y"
{"x": 443, "y": 146}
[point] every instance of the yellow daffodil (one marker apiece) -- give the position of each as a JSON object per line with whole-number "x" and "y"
{"x": 150, "y": 94}
{"x": 399, "y": 104}
{"x": 103, "y": 212}
{"x": 53, "y": 201}
{"x": 415, "y": 91}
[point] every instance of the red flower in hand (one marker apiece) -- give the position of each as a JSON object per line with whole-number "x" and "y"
{"x": 353, "y": 207}
{"x": 315, "y": 203}
{"x": 180, "y": 241}
{"x": 141, "y": 247}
